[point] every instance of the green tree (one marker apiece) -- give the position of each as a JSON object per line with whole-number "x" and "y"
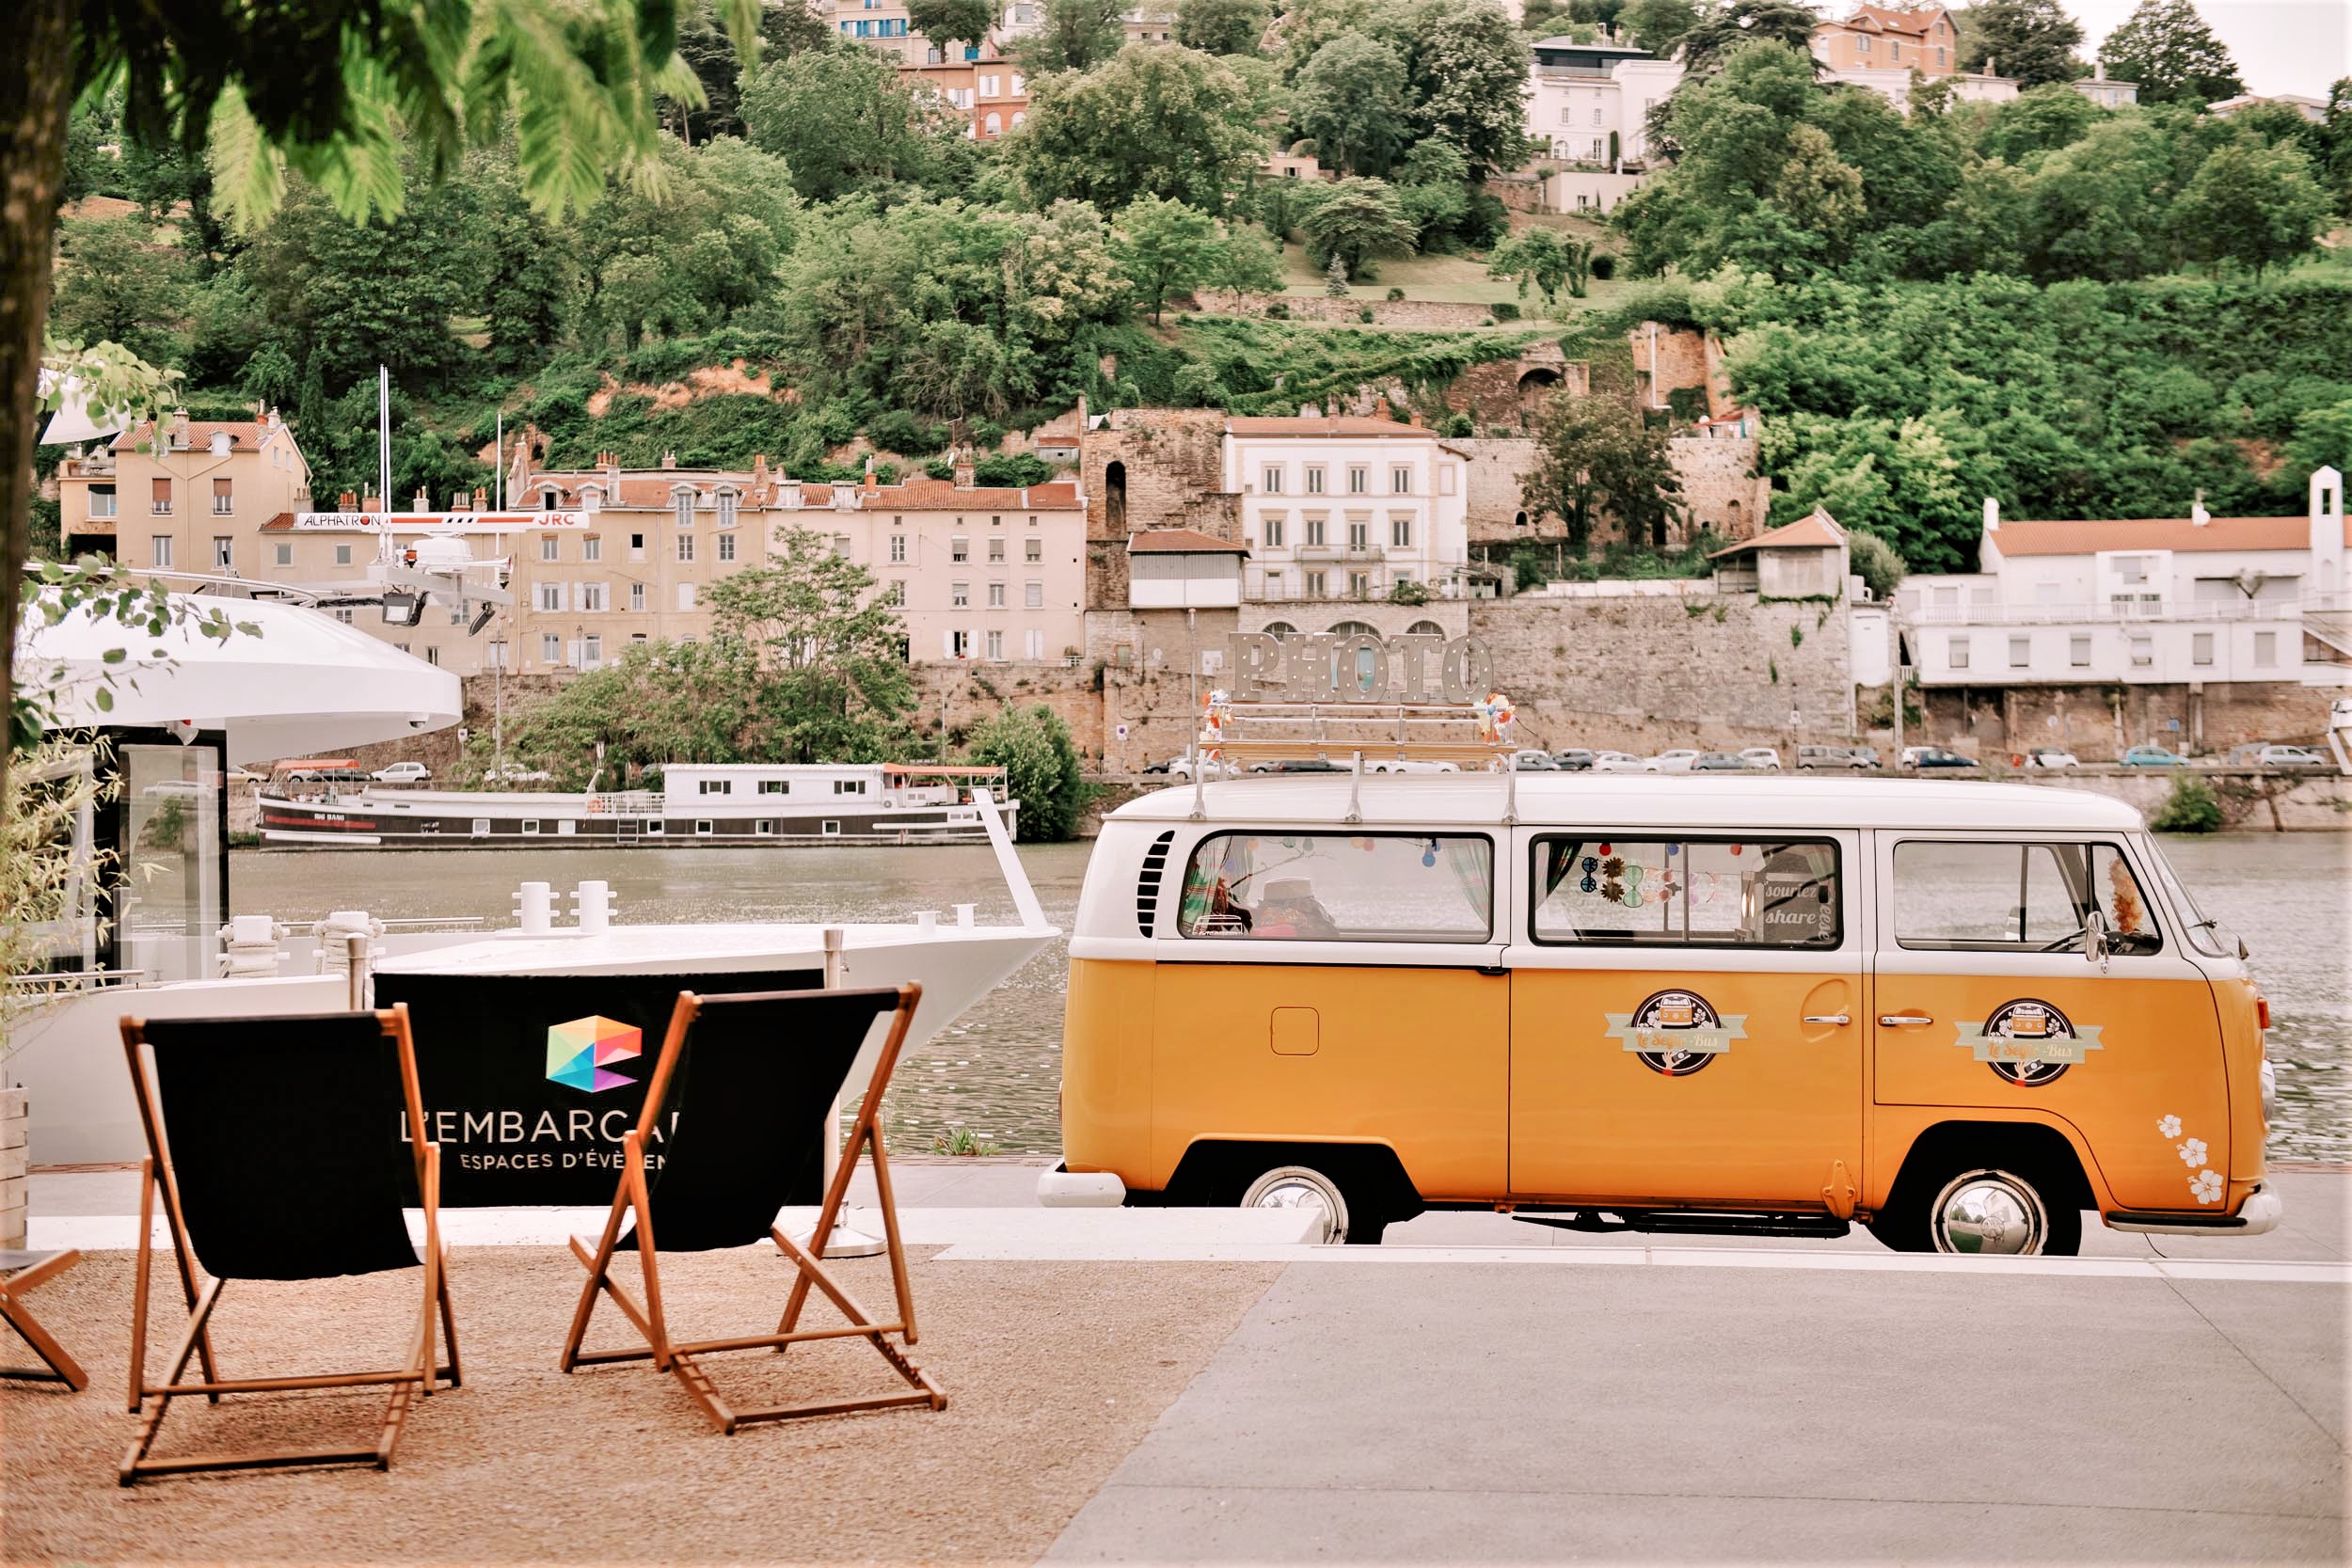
{"x": 1721, "y": 30}
{"x": 1466, "y": 70}
{"x": 2167, "y": 48}
{"x": 1077, "y": 35}
{"x": 2030, "y": 41}
{"x": 1222, "y": 26}
{"x": 2039, "y": 119}
{"x": 834, "y": 685}
{"x": 844, "y": 123}
{"x": 116, "y": 286}
{"x": 1537, "y": 257}
{"x": 1660, "y": 25}
{"x": 1041, "y": 769}
{"x": 2335, "y": 146}
{"x": 1158, "y": 120}
{"x": 2102, "y": 207}
{"x": 1350, "y": 98}
{"x": 1876, "y": 562}
{"x": 1597, "y": 459}
{"x": 2251, "y": 205}
{"x": 315, "y": 85}
{"x": 1163, "y": 246}
{"x": 657, "y": 704}
{"x": 1355, "y": 220}
{"x": 947, "y": 22}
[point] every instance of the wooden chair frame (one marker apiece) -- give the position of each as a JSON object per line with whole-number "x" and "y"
{"x": 56, "y": 1365}
{"x": 634, "y": 1198}
{"x": 417, "y": 1378}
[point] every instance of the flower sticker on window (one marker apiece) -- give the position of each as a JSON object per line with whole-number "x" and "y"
{"x": 2170, "y": 1127}
{"x": 2206, "y": 1184}
{"x": 2193, "y": 1153}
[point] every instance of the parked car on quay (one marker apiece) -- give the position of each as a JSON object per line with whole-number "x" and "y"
{"x": 1298, "y": 765}
{"x": 1617, "y": 762}
{"x": 1837, "y": 756}
{"x": 1719, "y": 762}
{"x": 1919, "y": 759}
{"x": 1574, "y": 760}
{"x": 2153, "y": 756}
{"x": 1180, "y": 768}
{"x": 2046, "y": 759}
{"x": 1409, "y": 765}
{"x": 2290, "y": 759}
{"x": 403, "y": 772}
{"x": 1677, "y": 761}
{"x": 1763, "y": 758}
{"x": 1534, "y": 762}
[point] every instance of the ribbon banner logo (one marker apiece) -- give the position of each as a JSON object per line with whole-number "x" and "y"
{"x": 578, "y": 1051}
{"x": 1675, "y": 1032}
{"x": 2029, "y": 1043}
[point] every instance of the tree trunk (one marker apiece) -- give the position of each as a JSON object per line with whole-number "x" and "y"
{"x": 36, "y": 95}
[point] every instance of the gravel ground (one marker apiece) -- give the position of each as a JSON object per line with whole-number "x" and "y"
{"x": 1053, "y": 1372}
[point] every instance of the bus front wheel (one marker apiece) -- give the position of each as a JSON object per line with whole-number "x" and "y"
{"x": 1989, "y": 1208}
{"x": 1303, "y": 1187}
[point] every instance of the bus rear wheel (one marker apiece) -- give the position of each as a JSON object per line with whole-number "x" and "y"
{"x": 1303, "y": 1187}
{"x": 1997, "y": 1209}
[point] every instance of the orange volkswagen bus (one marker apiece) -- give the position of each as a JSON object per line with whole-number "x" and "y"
{"x": 1960, "y": 1014}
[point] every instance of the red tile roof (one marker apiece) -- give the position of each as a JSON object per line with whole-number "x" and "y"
{"x": 1818, "y": 531}
{"x": 1341, "y": 425}
{"x": 1888, "y": 18}
{"x": 654, "y": 489}
{"x": 1181, "y": 541}
{"x": 243, "y": 434}
{"x": 2088, "y": 536}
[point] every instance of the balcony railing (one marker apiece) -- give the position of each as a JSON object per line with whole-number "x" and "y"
{"x": 2063, "y": 615}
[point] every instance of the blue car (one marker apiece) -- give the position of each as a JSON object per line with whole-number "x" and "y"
{"x": 2151, "y": 756}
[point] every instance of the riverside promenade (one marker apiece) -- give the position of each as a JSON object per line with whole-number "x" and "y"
{"x": 1177, "y": 1387}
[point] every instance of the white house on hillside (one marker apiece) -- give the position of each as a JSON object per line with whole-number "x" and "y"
{"x": 2153, "y": 600}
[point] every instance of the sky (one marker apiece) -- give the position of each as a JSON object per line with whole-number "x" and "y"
{"x": 2297, "y": 46}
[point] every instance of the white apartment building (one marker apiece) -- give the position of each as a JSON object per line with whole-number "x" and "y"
{"x": 2164, "y": 601}
{"x": 1346, "y": 509}
{"x": 1589, "y": 103}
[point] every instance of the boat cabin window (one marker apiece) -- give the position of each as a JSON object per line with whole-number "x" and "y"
{"x": 775, "y": 787}
{"x": 849, "y": 787}
{"x": 1990, "y": 898}
{"x": 1339, "y": 887}
{"x": 1687, "y": 892}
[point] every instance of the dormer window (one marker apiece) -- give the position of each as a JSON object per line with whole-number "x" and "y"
{"x": 220, "y": 443}
{"x": 550, "y": 499}
{"x": 727, "y": 508}
{"x": 685, "y": 508}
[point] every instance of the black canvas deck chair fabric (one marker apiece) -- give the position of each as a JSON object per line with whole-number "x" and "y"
{"x": 20, "y": 1274}
{"x": 278, "y": 1147}
{"x": 744, "y": 1092}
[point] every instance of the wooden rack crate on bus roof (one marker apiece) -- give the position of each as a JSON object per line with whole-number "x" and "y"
{"x": 1352, "y": 733}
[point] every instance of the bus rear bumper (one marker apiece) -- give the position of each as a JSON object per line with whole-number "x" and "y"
{"x": 2260, "y": 1213}
{"x": 1067, "y": 1189}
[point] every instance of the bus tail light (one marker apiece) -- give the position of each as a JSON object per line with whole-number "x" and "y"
{"x": 2261, "y": 1013}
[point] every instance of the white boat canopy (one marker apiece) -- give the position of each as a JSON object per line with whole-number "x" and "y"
{"x": 307, "y": 684}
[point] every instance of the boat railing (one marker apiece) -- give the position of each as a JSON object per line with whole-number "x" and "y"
{"x": 625, "y": 802}
{"x": 66, "y": 982}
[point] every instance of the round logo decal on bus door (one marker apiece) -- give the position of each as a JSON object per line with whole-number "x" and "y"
{"x": 1677, "y": 1033}
{"x": 2029, "y": 1042}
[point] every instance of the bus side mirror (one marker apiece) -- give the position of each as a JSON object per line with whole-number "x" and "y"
{"x": 2095, "y": 939}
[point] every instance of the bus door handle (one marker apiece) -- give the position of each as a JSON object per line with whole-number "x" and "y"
{"x": 1903, "y": 1020}
{"x": 1492, "y": 969}
{"x": 1839, "y": 1018}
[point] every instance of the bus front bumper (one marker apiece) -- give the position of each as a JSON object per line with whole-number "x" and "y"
{"x": 2260, "y": 1213}
{"x": 1067, "y": 1189}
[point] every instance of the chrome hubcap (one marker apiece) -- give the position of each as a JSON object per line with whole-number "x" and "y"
{"x": 1990, "y": 1211}
{"x": 1305, "y": 1192}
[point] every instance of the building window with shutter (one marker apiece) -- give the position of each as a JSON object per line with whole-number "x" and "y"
{"x": 2020, "y": 653}
{"x": 224, "y": 552}
{"x": 551, "y": 648}
{"x": 1033, "y": 595}
{"x": 1033, "y": 551}
{"x": 686, "y": 508}
{"x": 550, "y": 596}
{"x": 550, "y": 547}
{"x": 995, "y": 595}
{"x": 161, "y": 505}
{"x": 686, "y": 595}
{"x": 591, "y": 547}
{"x": 1957, "y": 656}
{"x": 996, "y": 644}
{"x": 2201, "y": 648}
{"x": 159, "y": 551}
{"x": 2265, "y": 650}
{"x": 2079, "y": 650}
{"x": 960, "y": 595}
{"x": 102, "y": 501}
{"x": 959, "y": 549}
{"x": 996, "y": 552}
{"x": 223, "y": 503}
{"x": 637, "y": 595}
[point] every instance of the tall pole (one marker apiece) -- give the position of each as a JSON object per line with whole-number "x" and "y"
{"x": 498, "y": 468}
{"x": 384, "y": 436}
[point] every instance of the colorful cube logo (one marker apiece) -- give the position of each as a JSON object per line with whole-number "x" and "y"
{"x": 578, "y": 1051}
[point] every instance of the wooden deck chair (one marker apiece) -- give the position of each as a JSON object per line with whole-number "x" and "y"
{"x": 25, "y": 1270}
{"x": 746, "y": 1085}
{"x": 272, "y": 1142}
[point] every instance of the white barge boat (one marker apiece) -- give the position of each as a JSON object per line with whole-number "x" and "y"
{"x": 734, "y": 805}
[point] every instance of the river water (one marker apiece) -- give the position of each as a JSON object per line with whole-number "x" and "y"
{"x": 993, "y": 1071}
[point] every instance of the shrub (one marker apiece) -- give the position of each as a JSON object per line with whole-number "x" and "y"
{"x": 1009, "y": 471}
{"x": 1041, "y": 769}
{"x": 1459, "y": 427}
{"x": 1278, "y": 311}
{"x": 1396, "y": 294}
{"x": 1410, "y": 592}
{"x": 1363, "y": 312}
{"x": 902, "y": 432}
{"x": 1876, "y": 562}
{"x": 1505, "y": 309}
{"x": 2191, "y": 808}
{"x": 1604, "y": 265}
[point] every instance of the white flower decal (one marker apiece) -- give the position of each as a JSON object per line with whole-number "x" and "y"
{"x": 2193, "y": 1152}
{"x": 2170, "y": 1127}
{"x": 2206, "y": 1184}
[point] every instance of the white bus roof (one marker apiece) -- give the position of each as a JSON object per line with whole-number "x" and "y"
{"x": 1644, "y": 799}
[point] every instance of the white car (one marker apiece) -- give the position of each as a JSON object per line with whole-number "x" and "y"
{"x": 1408, "y": 765}
{"x": 1677, "y": 761}
{"x": 1617, "y": 762}
{"x": 1762, "y": 757}
{"x": 2050, "y": 758}
{"x": 403, "y": 772}
{"x": 1180, "y": 768}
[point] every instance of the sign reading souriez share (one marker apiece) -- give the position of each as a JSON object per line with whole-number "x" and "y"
{"x": 1356, "y": 667}
{"x": 531, "y": 1081}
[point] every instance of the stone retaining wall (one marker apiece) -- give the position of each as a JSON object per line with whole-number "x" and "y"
{"x": 2252, "y": 801}
{"x": 1434, "y": 313}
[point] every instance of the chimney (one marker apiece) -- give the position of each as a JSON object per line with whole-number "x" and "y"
{"x": 872, "y": 484}
{"x": 423, "y": 502}
{"x": 1413, "y": 418}
{"x": 964, "y": 467}
{"x": 466, "y": 500}
{"x": 178, "y": 427}
{"x": 759, "y": 471}
{"x": 2198, "y": 515}
{"x": 347, "y": 501}
{"x": 669, "y": 460}
{"x": 1380, "y": 410}
{"x": 372, "y": 503}
{"x": 2099, "y": 71}
{"x": 1992, "y": 66}
{"x": 1992, "y": 516}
